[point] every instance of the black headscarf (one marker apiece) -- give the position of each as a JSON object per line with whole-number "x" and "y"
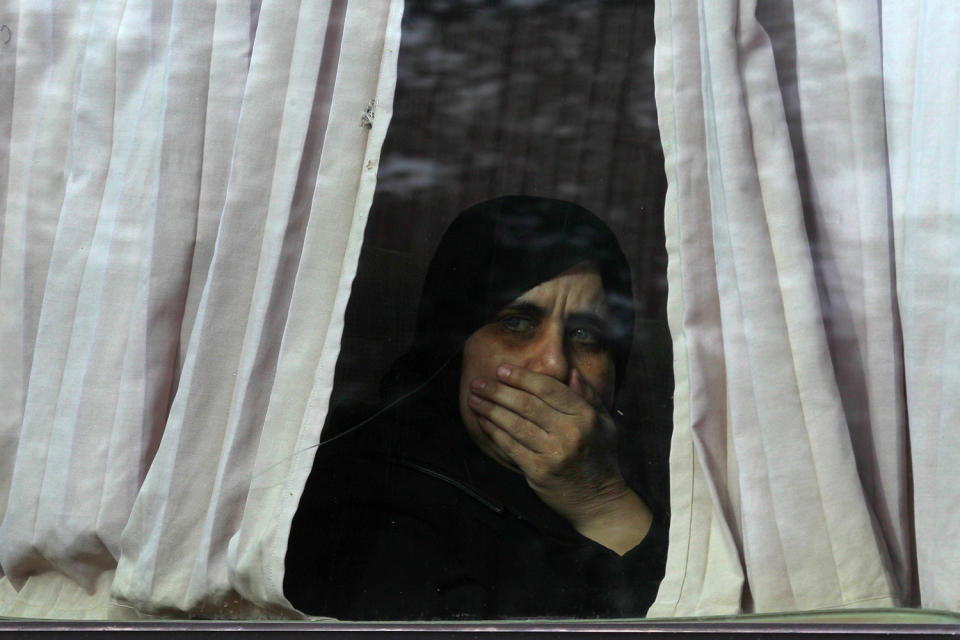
{"x": 407, "y": 517}
{"x": 491, "y": 254}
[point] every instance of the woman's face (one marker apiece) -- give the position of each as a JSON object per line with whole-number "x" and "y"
{"x": 555, "y": 328}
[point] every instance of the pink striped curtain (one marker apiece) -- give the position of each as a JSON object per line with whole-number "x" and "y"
{"x": 812, "y": 230}
{"x": 183, "y": 200}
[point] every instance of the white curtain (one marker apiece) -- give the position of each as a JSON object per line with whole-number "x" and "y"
{"x": 813, "y": 229}
{"x": 182, "y": 202}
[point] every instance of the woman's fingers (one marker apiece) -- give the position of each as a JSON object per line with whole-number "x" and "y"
{"x": 554, "y": 392}
{"x": 524, "y": 409}
{"x": 538, "y": 397}
{"x": 558, "y": 437}
{"x": 521, "y": 456}
{"x": 517, "y": 427}
{"x": 557, "y": 433}
{"x": 583, "y": 389}
{"x": 522, "y": 403}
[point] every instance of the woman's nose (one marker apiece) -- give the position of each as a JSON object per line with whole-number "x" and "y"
{"x": 548, "y": 354}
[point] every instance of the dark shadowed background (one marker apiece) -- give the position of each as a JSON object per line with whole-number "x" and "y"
{"x": 534, "y": 97}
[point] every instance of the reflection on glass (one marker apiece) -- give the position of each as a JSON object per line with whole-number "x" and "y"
{"x": 487, "y": 485}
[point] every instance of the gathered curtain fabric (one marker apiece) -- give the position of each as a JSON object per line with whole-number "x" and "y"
{"x": 813, "y": 232}
{"x": 183, "y": 192}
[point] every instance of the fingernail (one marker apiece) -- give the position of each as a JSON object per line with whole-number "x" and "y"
{"x": 504, "y": 371}
{"x": 474, "y": 400}
{"x": 478, "y": 384}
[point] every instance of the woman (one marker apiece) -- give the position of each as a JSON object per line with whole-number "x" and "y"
{"x": 488, "y": 486}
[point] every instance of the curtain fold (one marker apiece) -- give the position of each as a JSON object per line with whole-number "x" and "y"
{"x": 921, "y": 89}
{"x": 796, "y": 475}
{"x": 187, "y": 185}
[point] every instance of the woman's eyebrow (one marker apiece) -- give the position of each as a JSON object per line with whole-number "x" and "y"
{"x": 528, "y": 308}
{"x": 587, "y": 317}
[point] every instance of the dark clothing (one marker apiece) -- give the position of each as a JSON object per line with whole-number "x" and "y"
{"x": 405, "y": 517}
{"x": 412, "y": 521}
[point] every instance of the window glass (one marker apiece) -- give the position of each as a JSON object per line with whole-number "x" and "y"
{"x": 552, "y": 101}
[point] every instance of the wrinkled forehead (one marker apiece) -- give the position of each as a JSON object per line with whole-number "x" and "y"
{"x": 578, "y": 290}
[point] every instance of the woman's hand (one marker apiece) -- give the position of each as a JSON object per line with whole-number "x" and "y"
{"x": 564, "y": 442}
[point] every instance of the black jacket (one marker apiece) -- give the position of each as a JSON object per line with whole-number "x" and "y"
{"x": 406, "y": 519}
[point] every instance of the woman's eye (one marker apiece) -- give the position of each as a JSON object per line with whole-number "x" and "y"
{"x": 517, "y": 323}
{"x": 585, "y": 335}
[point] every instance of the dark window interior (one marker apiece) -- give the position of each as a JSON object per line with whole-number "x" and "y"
{"x": 544, "y": 98}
